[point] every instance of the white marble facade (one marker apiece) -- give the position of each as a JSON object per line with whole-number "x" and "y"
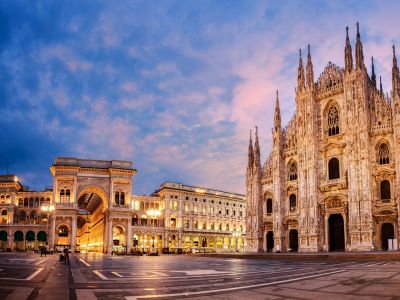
{"x": 331, "y": 181}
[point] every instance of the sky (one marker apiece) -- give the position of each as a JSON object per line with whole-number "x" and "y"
{"x": 173, "y": 86}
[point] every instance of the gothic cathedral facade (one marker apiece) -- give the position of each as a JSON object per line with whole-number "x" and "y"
{"x": 331, "y": 181}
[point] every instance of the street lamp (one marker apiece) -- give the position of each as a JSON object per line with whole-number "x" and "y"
{"x": 237, "y": 234}
{"x": 48, "y": 209}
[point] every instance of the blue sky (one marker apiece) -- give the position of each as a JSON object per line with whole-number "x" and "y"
{"x": 173, "y": 86}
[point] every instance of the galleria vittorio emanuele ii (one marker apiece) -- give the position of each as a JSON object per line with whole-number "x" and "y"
{"x": 91, "y": 208}
{"x": 331, "y": 181}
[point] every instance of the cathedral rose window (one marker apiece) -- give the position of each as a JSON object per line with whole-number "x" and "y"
{"x": 333, "y": 121}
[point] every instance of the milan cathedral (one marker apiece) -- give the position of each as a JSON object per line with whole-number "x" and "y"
{"x": 331, "y": 181}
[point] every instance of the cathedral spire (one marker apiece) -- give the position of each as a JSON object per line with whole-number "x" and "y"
{"x": 257, "y": 158}
{"x": 277, "y": 116}
{"x": 380, "y": 85}
{"x": 348, "y": 56}
{"x": 373, "y": 76}
{"x": 395, "y": 73}
{"x": 300, "y": 74}
{"x": 250, "y": 160}
{"x": 309, "y": 69}
{"x": 359, "y": 51}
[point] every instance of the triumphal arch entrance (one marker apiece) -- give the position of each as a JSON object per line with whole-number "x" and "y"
{"x": 92, "y": 203}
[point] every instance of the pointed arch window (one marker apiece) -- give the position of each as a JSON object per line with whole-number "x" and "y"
{"x": 292, "y": 202}
{"x": 383, "y": 155}
{"x": 385, "y": 190}
{"x": 269, "y": 206}
{"x": 333, "y": 121}
{"x": 293, "y": 171}
{"x": 333, "y": 168}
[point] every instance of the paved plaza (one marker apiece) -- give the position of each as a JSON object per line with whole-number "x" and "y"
{"x": 97, "y": 276}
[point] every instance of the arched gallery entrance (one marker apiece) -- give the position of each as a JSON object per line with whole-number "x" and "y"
{"x": 293, "y": 240}
{"x": 270, "y": 241}
{"x": 336, "y": 232}
{"x": 91, "y": 222}
{"x": 387, "y": 232}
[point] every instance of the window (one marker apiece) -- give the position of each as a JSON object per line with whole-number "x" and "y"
{"x": 385, "y": 190}
{"x": 187, "y": 198}
{"x": 333, "y": 121}
{"x": 186, "y": 207}
{"x": 22, "y": 216}
{"x": 67, "y": 195}
{"x": 4, "y": 217}
{"x": 212, "y": 226}
{"x": 241, "y": 213}
{"x": 63, "y": 231}
{"x": 204, "y": 225}
{"x": 187, "y": 224}
{"x": 116, "y": 199}
{"x": 135, "y": 220}
{"x": 143, "y": 220}
{"x": 269, "y": 206}
{"x": 333, "y": 168}
{"x": 292, "y": 202}
{"x": 196, "y": 225}
{"x": 62, "y": 195}
{"x": 227, "y": 227}
{"x": 227, "y": 212}
{"x": 122, "y": 199}
{"x": 383, "y": 155}
{"x": 293, "y": 171}
{"x": 220, "y": 226}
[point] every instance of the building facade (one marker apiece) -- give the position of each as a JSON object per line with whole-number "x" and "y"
{"x": 90, "y": 208}
{"x": 331, "y": 181}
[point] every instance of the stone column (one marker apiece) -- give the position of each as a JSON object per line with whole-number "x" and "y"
{"x": 110, "y": 236}
{"x": 73, "y": 240}
{"x": 105, "y": 241}
{"x": 52, "y": 232}
{"x": 129, "y": 236}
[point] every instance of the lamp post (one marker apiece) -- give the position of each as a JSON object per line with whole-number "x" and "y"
{"x": 48, "y": 209}
{"x": 236, "y": 234}
{"x": 153, "y": 213}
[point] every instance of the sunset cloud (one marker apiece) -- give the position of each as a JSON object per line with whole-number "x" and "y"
{"x": 173, "y": 87}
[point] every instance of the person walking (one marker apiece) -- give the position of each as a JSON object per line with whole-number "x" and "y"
{"x": 66, "y": 251}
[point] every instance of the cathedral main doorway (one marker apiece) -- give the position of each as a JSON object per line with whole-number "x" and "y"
{"x": 336, "y": 232}
{"x": 293, "y": 240}
{"x": 270, "y": 241}
{"x": 387, "y": 232}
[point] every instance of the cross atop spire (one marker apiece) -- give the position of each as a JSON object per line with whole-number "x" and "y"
{"x": 348, "y": 56}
